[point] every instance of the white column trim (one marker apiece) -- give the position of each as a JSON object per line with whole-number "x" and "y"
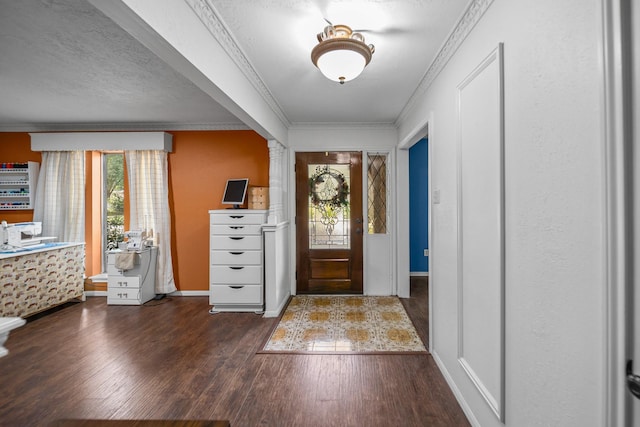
{"x": 276, "y": 212}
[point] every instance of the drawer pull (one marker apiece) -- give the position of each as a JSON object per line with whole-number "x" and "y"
{"x": 236, "y": 216}
{"x": 236, "y": 287}
{"x": 236, "y": 268}
{"x": 236, "y": 253}
{"x": 237, "y": 238}
{"x": 236, "y": 227}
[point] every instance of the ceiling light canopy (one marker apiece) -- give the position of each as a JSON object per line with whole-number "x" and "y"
{"x": 341, "y": 54}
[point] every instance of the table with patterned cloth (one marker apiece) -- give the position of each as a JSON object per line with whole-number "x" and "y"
{"x": 35, "y": 280}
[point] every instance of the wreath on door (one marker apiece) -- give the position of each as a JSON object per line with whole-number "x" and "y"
{"x": 328, "y": 188}
{"x": 329, "y": 192}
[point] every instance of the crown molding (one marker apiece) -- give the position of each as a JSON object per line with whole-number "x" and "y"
{"x": 208, "y": 15}
{"x": 466, "y": 23}
{"x": 342, "y": 125}
{"x": 101, "y": 127}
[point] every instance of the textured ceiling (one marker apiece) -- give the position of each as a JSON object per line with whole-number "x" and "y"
{"x": 65, "y": 65}
{"x": 63, "y": 62}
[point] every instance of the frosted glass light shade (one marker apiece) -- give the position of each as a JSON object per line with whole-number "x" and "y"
{"x": 341, "y": 65}
{"x": 341, "y": 55}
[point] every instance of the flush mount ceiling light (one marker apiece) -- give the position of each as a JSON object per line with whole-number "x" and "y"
{"x": 341, "y": 54}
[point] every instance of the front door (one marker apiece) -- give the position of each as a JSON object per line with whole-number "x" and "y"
{"x": 329, "y": 223}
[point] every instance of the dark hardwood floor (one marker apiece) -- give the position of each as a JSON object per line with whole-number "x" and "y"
{"x": 174, "y": 360}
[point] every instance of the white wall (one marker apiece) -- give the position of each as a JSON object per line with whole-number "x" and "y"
{"x": 379, "y": 250}
{"x": 276, "y": 268}
{"x": 554, "y": 319}
{"x": 347, "y": 137}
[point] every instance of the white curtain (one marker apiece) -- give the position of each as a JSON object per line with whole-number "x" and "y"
{"x": 149, "y": 207}
{"x": 60, "y": 191}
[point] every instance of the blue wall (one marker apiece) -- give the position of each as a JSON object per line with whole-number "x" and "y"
{"x": 419, "y": 206}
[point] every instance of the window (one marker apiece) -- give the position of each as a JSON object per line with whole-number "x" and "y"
{"x": 377, "y": 193}
{"x": 112, "y": 200}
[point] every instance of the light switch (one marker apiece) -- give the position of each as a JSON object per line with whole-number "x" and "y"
{"x": 426, "y": 252}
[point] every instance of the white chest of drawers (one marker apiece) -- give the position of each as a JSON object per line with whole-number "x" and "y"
{"x": 236, "y": 270}
{"x": 135, "y": 286}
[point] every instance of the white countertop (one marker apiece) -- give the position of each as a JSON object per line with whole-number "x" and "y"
{"x": 46, "y": 247}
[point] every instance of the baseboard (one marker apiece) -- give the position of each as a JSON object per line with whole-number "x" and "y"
{"x": 99, "y": 278}
{"x": 456, "y": 392}
{"x": 276, "y": 312}
{"x": 418, "y": 273}
{"x": 189, "y": 294}
{"x": 95, "y": 293}
{"x": 173, "y": 294}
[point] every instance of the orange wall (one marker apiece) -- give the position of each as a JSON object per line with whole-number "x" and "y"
{"x": 199, "y": 166}
{"x": 16, "y": 147}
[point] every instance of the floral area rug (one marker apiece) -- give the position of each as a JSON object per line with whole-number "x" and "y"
{"x": 344, "y": 325}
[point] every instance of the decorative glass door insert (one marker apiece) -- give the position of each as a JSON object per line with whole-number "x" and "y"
{"x": 329, "y": 203}
{"x": 377, "y": 193}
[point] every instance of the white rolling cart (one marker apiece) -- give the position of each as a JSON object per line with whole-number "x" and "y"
{"x": 133, "y": 286}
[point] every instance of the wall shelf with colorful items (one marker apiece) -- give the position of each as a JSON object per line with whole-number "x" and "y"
{"x": 18, "y": 185}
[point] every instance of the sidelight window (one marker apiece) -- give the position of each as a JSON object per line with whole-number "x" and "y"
{"x": 377, "y": 193}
